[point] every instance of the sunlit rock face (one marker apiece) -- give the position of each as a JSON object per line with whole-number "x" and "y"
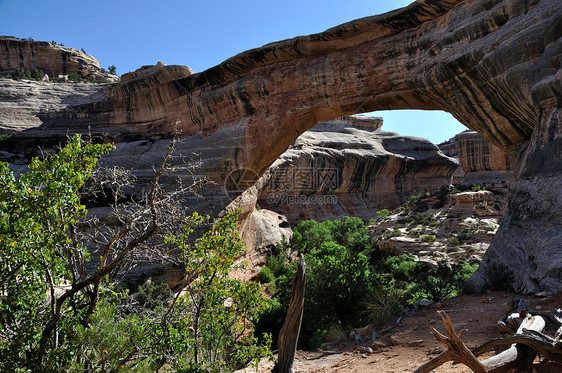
{"x": 482, "y": 162}
{"x": 495, "y": 65}
{"x": 53, "y": 59}
{"x": 350, "y": 167}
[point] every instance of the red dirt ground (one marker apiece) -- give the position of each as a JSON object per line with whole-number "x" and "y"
{"x": 478, "y": 314}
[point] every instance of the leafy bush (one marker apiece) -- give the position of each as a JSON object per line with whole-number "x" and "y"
{"x": 55, "y": 316}
{"x": 453, "y": 241}
{"x": 339, "y": 275}
{"x": 382, "y": 214}
{"x": 210, "y": 328}
{"x": 23, "y": 73}
{"x": 337, "y": 282}
{"x": 443, "y": 281}
{"x": 75, "y": 77}
{"x": 400, "y": 267}
{"x": 350, "y": 282}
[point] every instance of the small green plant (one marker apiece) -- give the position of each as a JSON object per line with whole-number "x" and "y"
{"x": 418, "y": 197}
{"x": 385, "y": 305}
{"x": 75, "y": 77}
{"x": 112, "y": 70}
{"x": 453, "y": 241}
{"x": 382, "y": 214}
{"x": 427, "y": 238}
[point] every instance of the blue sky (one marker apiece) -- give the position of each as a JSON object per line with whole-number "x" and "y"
{"x": 199, "y": 34}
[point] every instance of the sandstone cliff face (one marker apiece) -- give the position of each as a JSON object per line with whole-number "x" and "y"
{"x": 53, "y": 59}
{"x": 479, "y": 161}
{"x": 25, "y": 105}
{"x": 482, "y": 162}
{"x": 493, "y": 64}
{"x": 449, "y": 148}
{"x": 350, "y": 167}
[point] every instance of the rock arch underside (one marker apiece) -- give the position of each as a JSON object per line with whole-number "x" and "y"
{"x": 493, "y": 64}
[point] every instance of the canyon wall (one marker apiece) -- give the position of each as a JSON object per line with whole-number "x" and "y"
{"x": 350, "y": 167}
{"x": 493, "y": 64}
{"x": 482, "y": 162}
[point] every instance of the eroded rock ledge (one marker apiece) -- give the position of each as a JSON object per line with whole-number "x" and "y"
{"x": 53, "y": 59}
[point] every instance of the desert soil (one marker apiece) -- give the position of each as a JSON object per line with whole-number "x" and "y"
{"x": 478, "y": 314}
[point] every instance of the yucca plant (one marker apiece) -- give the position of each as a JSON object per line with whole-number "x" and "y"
{"x": 385, "y": 305}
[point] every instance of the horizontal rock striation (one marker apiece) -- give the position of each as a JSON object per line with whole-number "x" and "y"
{"x": 477, "y": 154}
{"x": 348, "y": 167}
{"x": 482, "y": 162}
{"x": 51, "y": 58}
{"x": 493, "y": 64}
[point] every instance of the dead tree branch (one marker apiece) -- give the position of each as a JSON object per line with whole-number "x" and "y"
{"x": 289, "y": 334}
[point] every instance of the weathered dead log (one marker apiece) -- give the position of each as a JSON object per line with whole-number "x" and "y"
{"x": 520, "y": 355}
{"x": 546, "y": 346}
{"x": 456, "y": 351}
{"x": 289, "y": 334}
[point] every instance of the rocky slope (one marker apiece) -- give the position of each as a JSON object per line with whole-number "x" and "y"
{"x": 495, "y": 65}
{"x": 455, "y": 226}
{"x": 350, "y": 167}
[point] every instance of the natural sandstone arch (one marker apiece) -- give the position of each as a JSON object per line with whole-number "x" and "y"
{"x": 493, "y": 64}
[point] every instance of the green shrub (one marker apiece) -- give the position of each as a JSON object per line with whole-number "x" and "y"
{"x": 94, "y": 325}
{"x": 266, "y": 276}
{"x": 427, "y": 238}
{"x": 444, "y": 280}
{"x": 382, "y": 214}
{"x": 401, "y": 267}
{"x": 23, "y": 73}
{"x": 337, "y": 282}
{"x": 453, "y": 241}
{"x": 75, "y": 77}
{"x": 385, "y": 305}
{"x": 309, "y": 235}
{"x": 338, "y": 256}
